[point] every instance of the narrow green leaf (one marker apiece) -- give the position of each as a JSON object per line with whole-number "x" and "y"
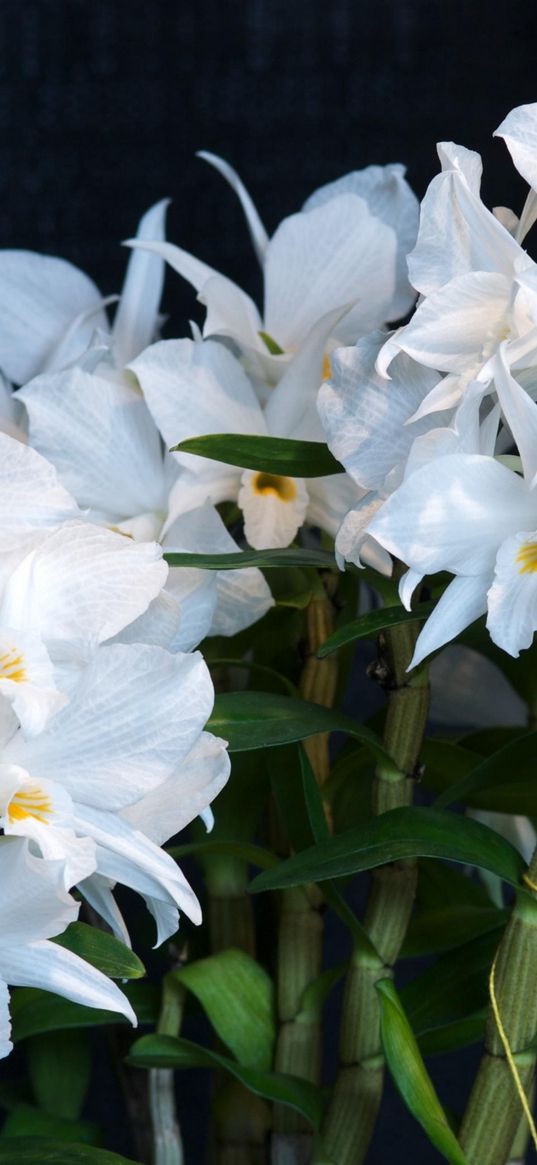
{"x": 237, "y": 995}
{"x": 42, "y": 1151}
{"x": 102, "y": 950}
{"x": 400, "y": 833}
{"x": 170, "y": 1052}
{"x": 453, "y": 1036}
{"x": 272, "y": 455}
{"x": 34, "y": 1010}
{"x": 410, "y": 1074}
{"x": 243, "y": 851}
{"x": 255, "y": 669}
{"x": 368, "y": 626}
{"x": 59, "y": 1070}
{"x": 493, "y": 770}
{"x": 250, "y": 720}
{"x": 27, "y": 1121}
{"x": 238, "y": 560}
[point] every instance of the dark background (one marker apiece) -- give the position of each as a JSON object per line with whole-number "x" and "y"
{"x": 103, "y": 105}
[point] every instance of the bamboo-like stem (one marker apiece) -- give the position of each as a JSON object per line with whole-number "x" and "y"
{"x": 167, "y": 1142}
{"x": 353, "y": 1108}
{"x": 519, "y": 1148}
{"x": 299, "y": 1042}
{"x": 483, "y": 1137}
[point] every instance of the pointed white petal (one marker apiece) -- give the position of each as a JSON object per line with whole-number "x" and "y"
{"x": 335, "y": 254}
{"x": 453, "y": 513}
{"x": 291, "y": 405}
{"x": 467, "y": 163}
{"x": 231, "y": 312}
{"x": 519, "y": 131}
{"x": 410, "y": 580}
{"x": 45, "y": 964}
{"x": 82, "y": 585}
{"x": 389, "y": 198}
{"x": 192, "y": 269}
{"x": 128, "y": 856}
{"x": 258, "y": 233}
{"x": 173, "y": 805}
{"x": 136, "y": 318}
{"x": 137, "y": 710}
{"x": 354, "y": 543}
{"x": 274, "y": 508}
{"x": 463, "y": 601}
{"x": 520, "y": 412}
{"x": 102, "y": 440}
{"x": 39, "y": 296}
{"x": 98, "y": 893}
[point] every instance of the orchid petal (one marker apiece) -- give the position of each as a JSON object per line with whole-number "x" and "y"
{"x": 463, "y": 601}
{"x": 512, "y": 598}
{"x": 519, "y": 132}
{"x": 257, "y": 231}
{"x": 136, "y": 318}
{"x": 45, "y": 964}
{"x": 274, "y": 508}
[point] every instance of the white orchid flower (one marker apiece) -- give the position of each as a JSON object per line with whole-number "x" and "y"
{"x": 346, "y": 246}
{"x": 197, "y": 387}
{"x": 101, "y": 437}
{"x": 469, "y": 514}
{"x": 51, "y": 311}
{"x": 477, "y": 281}
{"x": 134, "y": 715}
{"x": 34, "y": 908}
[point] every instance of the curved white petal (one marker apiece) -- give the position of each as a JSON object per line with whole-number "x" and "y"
{"x": 31, "y": 496}
{"x": 34, "y": 903}
{"x": 330, "y": 498}
{"x": 231, "y": 312}
{"x": 39, "y": 297}
{"x": 274, "y": 508}
{"x": 102, "y": 440}
{"x": 389, "y": 198}
{"x": 166, "y": 810}
{"x": 27, "y": 678}
{"x": 192, "y": 269}
{"x": 136, "y": 318}
{"x": 320, "y": 259}
{"x": 46, "y": 965}
{"x": 257, "y": 231}
{"x": 291, "y": 405}
{"x": 353, "y": 541}
{"x": 135, "y": 712}
{"x": 520, "y": 412}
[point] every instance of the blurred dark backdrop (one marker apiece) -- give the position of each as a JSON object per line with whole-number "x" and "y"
{"x": 103, "y": 104}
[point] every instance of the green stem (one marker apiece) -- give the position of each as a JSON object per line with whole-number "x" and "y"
{"x": 300, "y": 937}
{"x": 483, "y": 1137}
{"x": 167, "y": 1143}
{"x": 353, "y": 1107}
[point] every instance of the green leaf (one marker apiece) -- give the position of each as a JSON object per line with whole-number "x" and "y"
{"x": 250, "y": 720}
{"x": 451, "y": 909}
{"x": 411, "y": 1076}
{"x": 34, "y": 1010}
{"x": 399, "y": 833}
{"x": 42, "y": 1151}
{"x": 102, "y": 950}
{"x": 237, "y": 995}
{"x": 454, "y": 987}
{"x": 453, "y": 1036}
{"x": 493, "y": 770}
{"x": 368, "y": 626}
{"x": 272, "y": 455}
{"x": 59, "y": 1069}
{"x": 243, "y": 851}
{"x": 170, "y": 1052}
{"x": 27, "y": 1121}
{"x": 255, "y": 669}
{"x": 263, "y": 559}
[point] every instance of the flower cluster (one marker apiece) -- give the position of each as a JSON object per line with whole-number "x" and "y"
{"x": 103, "y": 701}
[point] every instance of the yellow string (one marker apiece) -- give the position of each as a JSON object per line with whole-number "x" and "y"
{"x": 508, "y": 1053}
{"x": 532, "y": 885}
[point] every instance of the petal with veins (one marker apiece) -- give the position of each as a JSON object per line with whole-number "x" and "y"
{"x": 512, "y": 598}
{"x": 136, "y": 319}
{"x": 519, "y": 131}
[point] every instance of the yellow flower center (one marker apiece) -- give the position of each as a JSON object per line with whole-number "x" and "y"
{"x": 12, "y": 666}
{"x": 30, "y": 802}
{"x": 527, "y": 558}
{"x": 327, "y": 368}
{"x": 272, "y": 483}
